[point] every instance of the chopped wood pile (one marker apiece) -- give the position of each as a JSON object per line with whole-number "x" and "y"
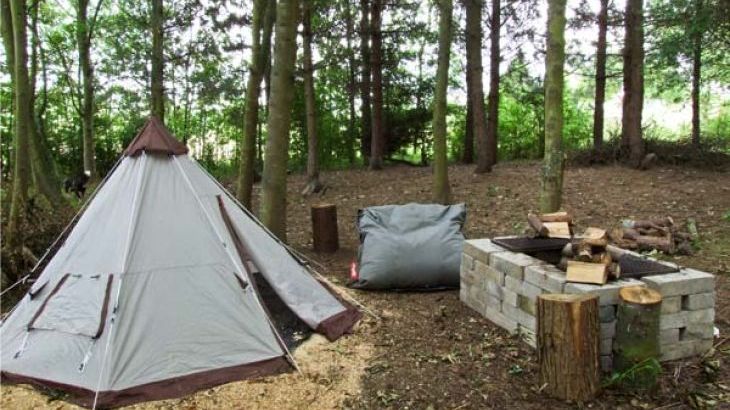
{"x": 586, "y": 260}
{"x": 661, "y": 234}
{"x": 553, "y": 225}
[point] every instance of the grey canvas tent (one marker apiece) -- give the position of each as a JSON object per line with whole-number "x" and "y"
{"x": 152, "y": 294}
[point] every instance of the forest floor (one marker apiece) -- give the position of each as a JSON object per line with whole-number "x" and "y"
{"x": 427, "y": 350}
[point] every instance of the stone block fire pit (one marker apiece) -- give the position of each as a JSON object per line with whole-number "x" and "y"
{"x": 503, "y": 286}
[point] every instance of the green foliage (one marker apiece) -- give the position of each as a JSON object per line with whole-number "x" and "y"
{"x": 641, "y": 375}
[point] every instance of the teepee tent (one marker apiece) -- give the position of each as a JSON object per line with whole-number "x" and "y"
{"x": 152, "y": 294}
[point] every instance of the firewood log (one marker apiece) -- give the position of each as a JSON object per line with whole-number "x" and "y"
{"x": 536, "y": 224}
{"x": 561, "y": 216}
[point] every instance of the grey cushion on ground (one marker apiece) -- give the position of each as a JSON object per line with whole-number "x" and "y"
{"x": 410, "y": 246}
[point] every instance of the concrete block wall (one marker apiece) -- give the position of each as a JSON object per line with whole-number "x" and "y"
{"x": 503, "y": 286}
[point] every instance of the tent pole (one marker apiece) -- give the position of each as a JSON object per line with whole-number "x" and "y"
{"x": 130, "y": 234}
{"x": 240, "y": 269}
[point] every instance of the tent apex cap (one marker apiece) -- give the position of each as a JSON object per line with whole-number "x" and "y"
{"x": 155, "y": 138}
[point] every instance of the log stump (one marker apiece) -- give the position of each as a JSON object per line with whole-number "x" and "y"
{"x": 568, "y": 345}
{"x": 637, "y": 335}
{"x": 324, "y": 228}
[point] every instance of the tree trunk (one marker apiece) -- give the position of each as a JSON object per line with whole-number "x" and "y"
{"x": 551, "y": 189}
{"x": 23, "y": 127}
{"x": 467, "y": 156}
{"x": 568, "y": 340}
{"x": 475, "y": 88}
{"x": 490, "y": 150}
{"x": 273, "y": 201}
{"x": 696, "y": 78}
{"x": 441, "y": 191}
{"x": 83, "y": 41}
{"x": 313, "y": 183}
{"x": 637, "y": 333}
{"x": 600, "y": 76}
{"x": 365, "y": 84}
{"x": 157, "y": 75}
{"x": 352, "y": 79}
{"x": 324, "y": 228}
{"x": 378, "y": 138}
{"x": 43, "y": 167}
{"x": 631, "y": 136}
{"x": 251, "y": 114}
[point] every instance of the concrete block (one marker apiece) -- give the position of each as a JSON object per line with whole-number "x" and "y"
{"x": 668, "y": 336}
{"x": 480, "y": 249}
{"x": 467, "y": 262}
{"x": 685, "y": 282}
{"x": 512, "y": 264}
{"x": 684, "y": 349}
{"x": 509, "y": 297}
{"x": 608, "y": 330}
{"x": 493, "y": 302}
{"x": 494, "y": 289}
{"x": 468, "y": 298}
{"x": 523, "y": 318}
{"x": 491, "y": 274}
{"x": 515, "y": 285}
{"x": 671, "y": 304}
{"x": 501, "y": 320}
{"x": 469, "y": 277}
{"x": 606, "y": 364}
{"x": 607, "y": 294}
{"x": 695, "y": 331}
{"x": 607, "y": 314}
{"x": 607, "y": 346}
{"x": 530, "y": 291}
{"x": 526, "y": 304}
{"x": 698, "y": 301}
{"x": 686, "y": 317}
{"x": 546, "y": 277}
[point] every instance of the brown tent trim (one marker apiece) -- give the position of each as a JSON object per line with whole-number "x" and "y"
{"x": 160, "y": 390}
{"x": 335, "y": 326}
{"x": 104, "y": 307}
{"x": 154, "y": 138}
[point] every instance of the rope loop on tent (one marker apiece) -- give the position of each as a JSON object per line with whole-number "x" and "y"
{"x": 20, "y": 281}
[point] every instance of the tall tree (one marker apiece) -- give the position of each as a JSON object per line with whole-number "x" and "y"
{"x": 313, "y": 182}
{"x": 262, "y": 21}
{"x": 352, "y": 80}
{"x": 474, "y": 85}
{"x": 600, "y": 76}
{"x": 157, "y": 76}
{"x": 23, "y": 124}
{"x": 489, "y": 151}
{"x": 633, "y": 103}
{"x": 551, "y": 188}
{"x": 83, "y": 41}
{"x": 696, "y": 35}
{"x": 273, "y": 202}
{"x": 377, "y": 142}
{"x": 441, "y": 190}
{"x": 365, "y": 81}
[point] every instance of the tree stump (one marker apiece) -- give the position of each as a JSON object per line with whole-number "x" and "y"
{"x": 324, "y": 228}
{"x": 637, "y": 335}
{"x": 568, "y": 337}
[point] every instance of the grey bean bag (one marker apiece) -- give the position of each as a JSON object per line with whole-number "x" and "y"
{"x": 413, "y": 246}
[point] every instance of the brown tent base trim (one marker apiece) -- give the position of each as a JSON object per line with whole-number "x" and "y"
{"x": 160, "y": 390}
{"x": 335, "y": 326}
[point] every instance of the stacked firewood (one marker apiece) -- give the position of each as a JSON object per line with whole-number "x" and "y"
{"x": 660, "y": 234}
{"x": 585, "y": 259}
{"x": 552, "y": 225}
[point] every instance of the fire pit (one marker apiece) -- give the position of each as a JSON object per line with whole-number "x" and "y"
{"x": 503, "y": 285}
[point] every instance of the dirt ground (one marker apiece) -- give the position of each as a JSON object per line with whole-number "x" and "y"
{"x": 430, "y": 351}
